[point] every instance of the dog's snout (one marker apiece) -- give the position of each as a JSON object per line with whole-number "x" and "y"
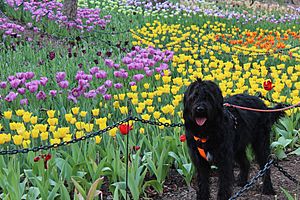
{"x": 200, "y": 109}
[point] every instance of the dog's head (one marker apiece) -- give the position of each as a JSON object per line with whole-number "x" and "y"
{"x": 203, "y": 102}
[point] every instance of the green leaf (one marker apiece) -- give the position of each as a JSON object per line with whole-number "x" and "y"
{"x": 174, "y": 155}
{"x": 284, "y": 142}
{"x": 188, "y": 167}
{"x": 287, "y": 194}
{"x": 64, "y": 193}
{"x": 78, "y": 187}
{"x": 155, "y": 184}
{"x": 280, "y": 153}
{"x": 54, "y": 193}
{"x": 93, "y": 188}
{"x": 297, "y": 152}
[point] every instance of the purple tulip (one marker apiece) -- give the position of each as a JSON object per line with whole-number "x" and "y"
{"x": 132, "y": 83}
{"x": 10, "y": 78}
{"x": 109, "y": 63}
{"x": 101, "y": 74}
{"x": 107, "y": 96}
{"x": 11, "y": 96}
{"x": 3, "y": 84}
{"x": 33, "y": 88}
{"x": 149, "y": 72}
{"x": 91, "y": 94}
{"x": 53, "y": 93}
{"x": 20, "y": 75}
{"x": 21, "y": 90}
{"x": 41, "y": 95}
{"x": 116, "y": 66}
{"x": 24, "y": 101}
{"x": 63, "y": 84}
{"x": 43, "y": 81}
{"x": 138, "y": 77}
{"x": 72, "y": 98}
{"x": 60, "y": 76}
{"x": 118, "y": 85}
{"x": 94, "y": 70}
{"x": 127, "y": 60}
{"x": 101, "y": 89}
{"x": 108, "y": 83}
{"x": 76, "y": 92}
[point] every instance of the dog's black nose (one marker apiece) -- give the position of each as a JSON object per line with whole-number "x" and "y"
{"x": 200, "y": 109}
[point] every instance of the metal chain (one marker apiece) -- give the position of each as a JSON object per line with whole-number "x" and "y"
{"x": 64, "y": 143}
{"x": 285, "y": 173}
{"x": 157, "y": 123}
{"x": 254, "y": 179}
{"x": 90, "y": 135}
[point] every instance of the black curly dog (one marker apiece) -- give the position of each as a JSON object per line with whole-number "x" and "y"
{"x": 227, "y": 132}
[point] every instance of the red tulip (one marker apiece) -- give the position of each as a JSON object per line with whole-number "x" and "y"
{"x": 125, "y": 128}
{"x": 136, "y": 148}
{"x": 36, "y": 159}
{"x": 48, "y": 157}
{"x": 268, "y": 85}
{"x": 182, "y": 138}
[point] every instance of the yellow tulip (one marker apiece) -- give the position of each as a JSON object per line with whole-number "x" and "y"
{"x": 146, "y": 116}
{"x": 20, "y": 112}
{"x": 52, "y": 121}
{"x": 88, "y": 127}
{"x": 26, "y": 143}
{"x": 75, "y": 110}
{"x": 133, "y": 88}
{"x": 146, "y": 86}
{"x": 44, "y": 135}
{"x": 113, "y": 132}
{"x": 67, "y": 138}
{"x": 83, "y": 113}
{"x": 33, "y": 120}
{"x": 142, "y": 131}
{"x": 7, "y": 114}
{"x": 2, "y": 138}
{"x": 35, "y": 133}
{"x": 51, "y": 113}
{"x": 95, "y": 112}
{"x": 79, "y": 134}
{"x": 68, "y": 117}
{"x": 55, "y": 141}
{"x": 26, "y": 117}
{"x": 26, "y": 135}
{"x": 18, "y": 139}
{"x": 79, "y": 125}
{"x": 98, "y": 139}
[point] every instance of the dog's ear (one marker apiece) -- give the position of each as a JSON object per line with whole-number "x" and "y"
{"x": 199, "y": 80}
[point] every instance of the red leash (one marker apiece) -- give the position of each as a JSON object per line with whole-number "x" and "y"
{"x": 262, "y": 110}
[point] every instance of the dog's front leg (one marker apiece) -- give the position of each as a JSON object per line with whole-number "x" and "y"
{"x": 226, "y": 178}
{"x": 203, "y": 172}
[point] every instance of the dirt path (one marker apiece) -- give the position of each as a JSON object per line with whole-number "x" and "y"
{"x": 291, "y": 165}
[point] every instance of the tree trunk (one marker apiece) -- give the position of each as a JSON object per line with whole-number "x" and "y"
{"x": 70, "y": 9}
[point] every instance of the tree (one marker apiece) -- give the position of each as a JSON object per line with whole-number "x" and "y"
{"x": 70, "y": 9}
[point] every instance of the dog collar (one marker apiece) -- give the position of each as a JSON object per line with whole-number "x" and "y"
{"x": 200, "y": 150}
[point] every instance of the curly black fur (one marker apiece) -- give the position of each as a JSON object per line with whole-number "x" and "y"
{"x": 228, "y": 131}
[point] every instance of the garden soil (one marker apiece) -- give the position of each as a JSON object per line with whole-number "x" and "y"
{"x": 176, "y": 188}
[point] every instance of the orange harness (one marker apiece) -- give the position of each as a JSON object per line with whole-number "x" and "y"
{"x": 201, "y": 151}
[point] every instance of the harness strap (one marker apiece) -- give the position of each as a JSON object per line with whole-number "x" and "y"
{"x": 200, "y": 150}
